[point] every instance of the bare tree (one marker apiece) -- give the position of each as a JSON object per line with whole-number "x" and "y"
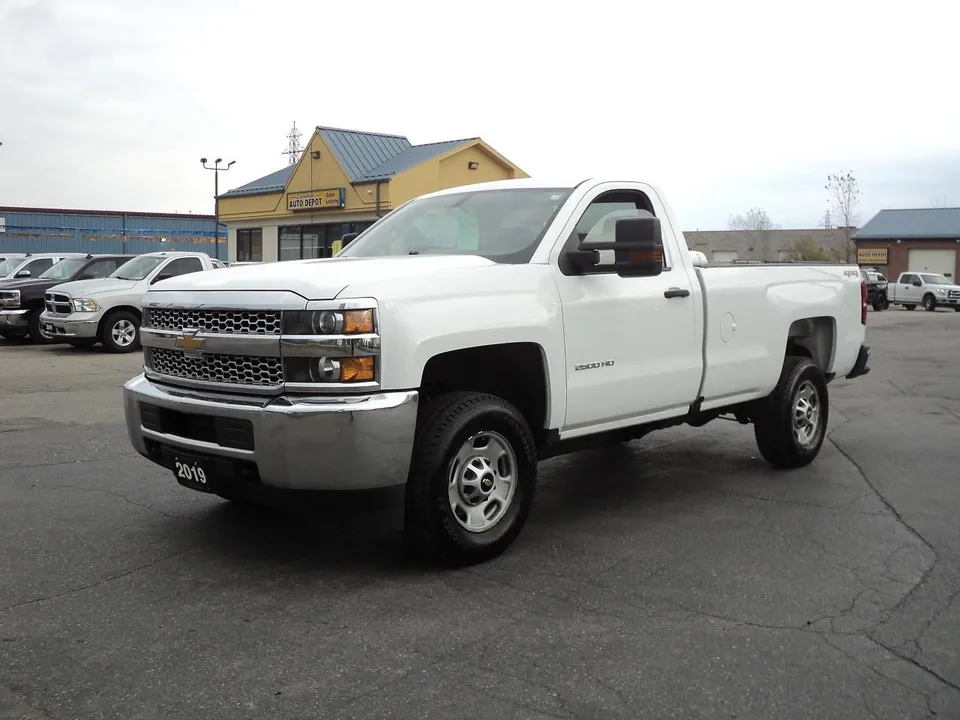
{"x": 754, "y": 219}
{"x": 758, "y": 227}
{"x": 938, "y": 201}
{"x": 843, "y": 201}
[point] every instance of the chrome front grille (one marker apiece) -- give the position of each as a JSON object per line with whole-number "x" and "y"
{"x": 954, "y": 293}
{"x": 57, "y": 303}
{"x": 226, "y": 322}
{"x": 246, "y": 370}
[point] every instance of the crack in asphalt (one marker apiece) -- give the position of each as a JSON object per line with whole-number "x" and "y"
{"x": 104, "y": 581}
{"x": 120, "y": 496}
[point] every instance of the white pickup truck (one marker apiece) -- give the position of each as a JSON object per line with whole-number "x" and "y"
{"x": 469, "y": 334}
{"x": 931, "y": 290}
{"x": 107, "y": 310}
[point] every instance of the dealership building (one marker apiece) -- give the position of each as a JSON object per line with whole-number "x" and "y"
{"x": 922, "y": 240}
{"x": 343, "y": 181}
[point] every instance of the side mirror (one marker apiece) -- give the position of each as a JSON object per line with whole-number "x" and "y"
{"x": 917, "y": 283}
{"x": 637, "y": 248}
{"x": 347, "y": 239}
{"x": 22, "y": 274}
{"x": 161, "y": 276}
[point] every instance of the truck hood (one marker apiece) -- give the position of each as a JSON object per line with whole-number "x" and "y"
{"x": 30, "y": 283}
{"x": 320, "y": 279}
{"x": 89, "y": 288}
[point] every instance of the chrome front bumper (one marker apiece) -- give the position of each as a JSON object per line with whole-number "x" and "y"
{"x": 60, "y": 326}
{"x": 299, "y": 443}
{"x": 14, "y": 319}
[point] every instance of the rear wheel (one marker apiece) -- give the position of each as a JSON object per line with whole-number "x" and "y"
{"x": 120, "y": 332}
{"x": 929, "y": 302}
{"x": 472, "y": 478}
{"x": 791, "y": 423}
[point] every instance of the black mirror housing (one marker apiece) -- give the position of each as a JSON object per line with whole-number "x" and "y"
{"x": 348, "y": 238}
{"x": 638, "y": 247}
{"x": 161, "y": 276}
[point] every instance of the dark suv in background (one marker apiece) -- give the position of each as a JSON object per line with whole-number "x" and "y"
{"x": 876, "y": 288}
{"x": 21, "y": 301}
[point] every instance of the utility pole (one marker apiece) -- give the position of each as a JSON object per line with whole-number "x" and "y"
{"x": 216, "y": 199}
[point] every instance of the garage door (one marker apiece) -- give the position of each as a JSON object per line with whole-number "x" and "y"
{"x": 937, "y": 261}
{"x": 724, "y": 256}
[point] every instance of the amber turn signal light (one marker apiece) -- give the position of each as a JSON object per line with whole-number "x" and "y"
{"x": 357, "y": 369}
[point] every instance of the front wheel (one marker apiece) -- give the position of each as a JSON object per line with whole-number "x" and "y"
{"x": 121, "y": 332}
{"x": 929, "y": 303}
{"x": 791, "y": 423}
{"x": 37, "y": 333}
{"x": 472, "y": 478}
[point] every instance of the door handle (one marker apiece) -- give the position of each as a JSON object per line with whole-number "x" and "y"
{"x": 676, "y": 292}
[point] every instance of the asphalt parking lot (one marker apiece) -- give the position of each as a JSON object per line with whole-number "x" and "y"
{"x": 677, "y": 576}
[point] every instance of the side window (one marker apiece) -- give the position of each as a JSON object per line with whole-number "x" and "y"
{"x": 98, "y": 269}
{"x": 182, "y": 266}
{"x": 907, "y": 279}
{"x": 37, "y": 266}
{"x": 598, "y": 222}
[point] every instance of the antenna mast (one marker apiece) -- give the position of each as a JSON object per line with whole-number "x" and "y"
{"x": 293, "y": 145}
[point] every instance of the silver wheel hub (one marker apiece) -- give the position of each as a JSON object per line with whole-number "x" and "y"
{"x": 806, "y": 413}
{"x": 482, "y": 481}
{"x": 123, "y": 333}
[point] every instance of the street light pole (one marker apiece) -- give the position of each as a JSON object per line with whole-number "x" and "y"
{"x": 216, "y": 200}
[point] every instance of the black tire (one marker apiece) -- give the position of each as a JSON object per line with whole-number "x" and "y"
{"x": 774, "y": 422}
{"x": 929, "y": 303}
{"x": 36, "y": 334}
{"x": 877, "y": 306}
{"x": 884, "y": 303}
{"x": 82, "y": 343}
{"x": 110, "y": 325}
{"x": 444, "y": 429}
{"x": 909, "y": 307}
{"x": 956, "y": 309}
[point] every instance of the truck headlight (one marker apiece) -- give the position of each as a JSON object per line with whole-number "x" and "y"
{"x": 343, "y": 370}
{"x": 85, "y": 305}
{"x": 941, "y": 291}
{"x": 329, "y": 322}
{"x": 10, "y": 299}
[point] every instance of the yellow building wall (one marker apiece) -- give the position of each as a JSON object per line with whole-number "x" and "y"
{"x": 310, "y": 174}
{"x": 449, "y": 171}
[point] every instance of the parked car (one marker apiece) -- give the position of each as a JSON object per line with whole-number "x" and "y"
{"x": 30, "y": 265}
{"x": 876, "y": 289}
{"x": 21, "y": 301}
{"x": 922, "y": 288}
{"x": 107, "y": 311}
{"x": 472, "y": 332}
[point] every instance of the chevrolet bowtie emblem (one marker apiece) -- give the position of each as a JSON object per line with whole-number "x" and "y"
{"x": 189, "y": 343}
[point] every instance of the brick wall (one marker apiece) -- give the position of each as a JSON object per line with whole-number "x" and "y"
{"x": 764, "y": 246}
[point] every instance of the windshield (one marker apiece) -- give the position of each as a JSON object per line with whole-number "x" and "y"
{"x": 504, "y": 226}
{"x": 136, "y": 269}
{"x": 935, "y": 279}
{"x": 63, "y": 269}
{"x": 9, "y": 265}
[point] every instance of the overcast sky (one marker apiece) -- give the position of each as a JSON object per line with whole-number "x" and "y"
{"x": 109, "y": 104}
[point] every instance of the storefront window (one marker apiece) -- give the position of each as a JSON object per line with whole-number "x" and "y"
{"x": 250, "y": 245}
{"x": 303, "y": 242}
{"x": 289, "y": 243}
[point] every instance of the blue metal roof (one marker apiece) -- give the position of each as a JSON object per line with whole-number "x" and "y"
{"x": 918, "y": 223}
{"x": 274, "y": 182}
{"x": 360, "y": 152}
{"x": 413, "y": 155}
{"x": 364, "y": 157}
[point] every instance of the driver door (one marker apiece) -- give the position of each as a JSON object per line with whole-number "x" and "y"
{"x": 633, "y": 344}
